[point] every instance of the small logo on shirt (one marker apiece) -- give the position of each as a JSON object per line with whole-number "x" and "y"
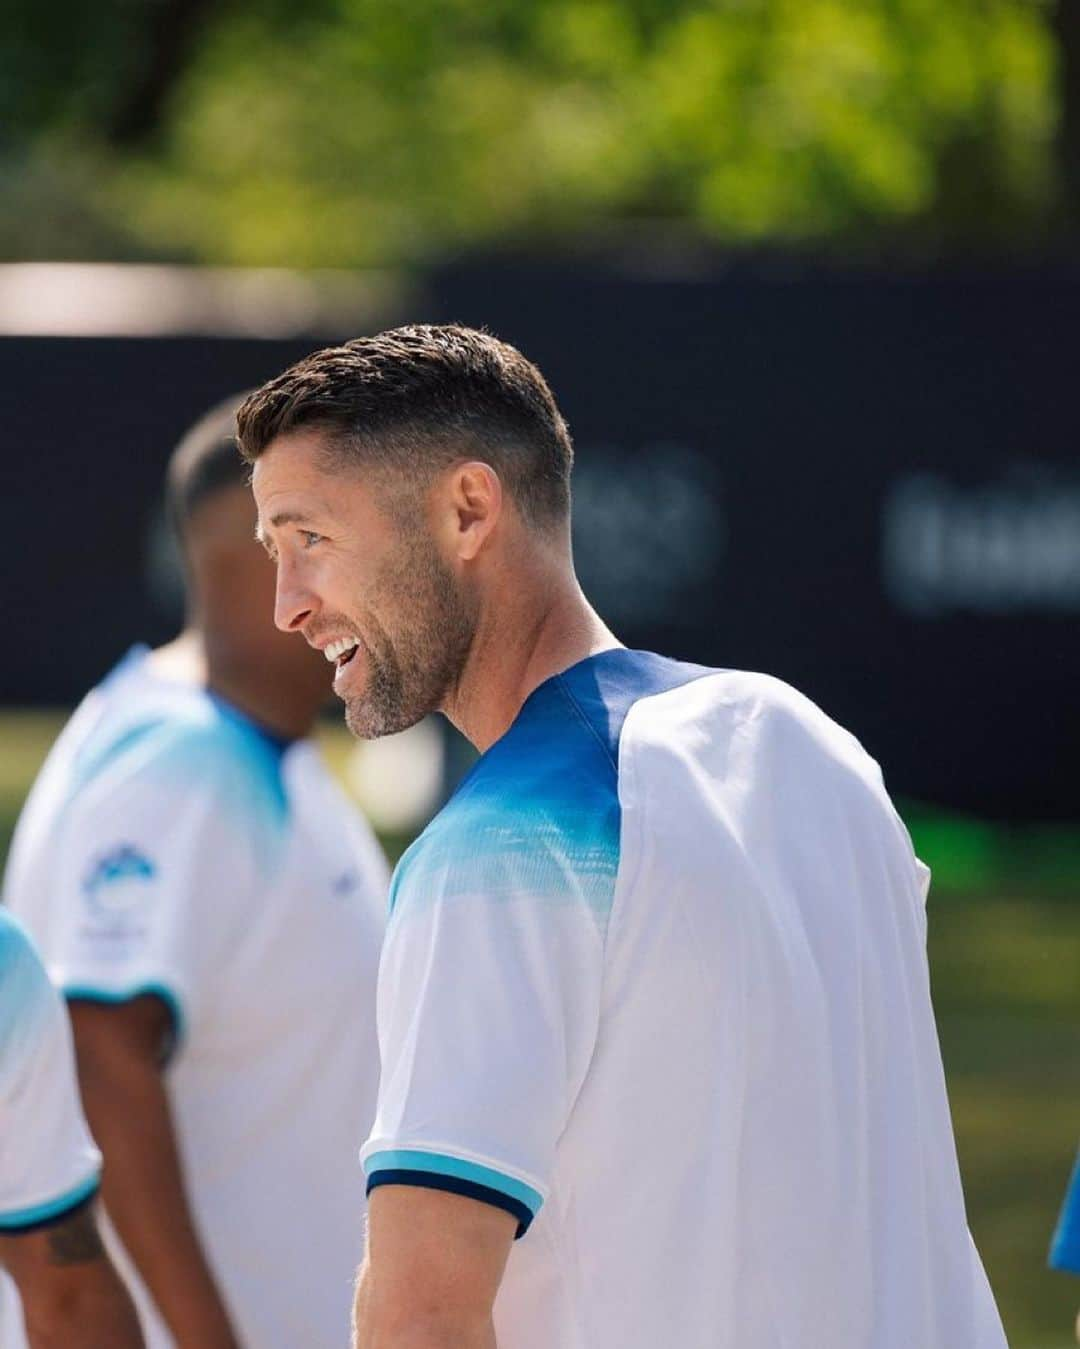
{"x": 116, "y": 880}
{"x": 344, "y": 884}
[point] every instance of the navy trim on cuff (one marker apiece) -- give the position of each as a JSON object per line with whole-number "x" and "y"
{"x": 431, "y": 1180}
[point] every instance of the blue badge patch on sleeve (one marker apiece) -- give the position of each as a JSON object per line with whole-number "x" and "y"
{"x": 117, "y": 879}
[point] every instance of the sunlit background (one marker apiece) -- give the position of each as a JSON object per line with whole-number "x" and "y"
{"x": 805, "y": 276}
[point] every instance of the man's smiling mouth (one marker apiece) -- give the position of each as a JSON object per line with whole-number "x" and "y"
{"x": 339, "y": 653}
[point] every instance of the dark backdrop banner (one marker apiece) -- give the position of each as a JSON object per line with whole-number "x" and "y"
{"x": 866, "y": 485}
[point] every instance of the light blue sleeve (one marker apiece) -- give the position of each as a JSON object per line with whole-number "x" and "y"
{"x": 1065, "y": 1250}
{"x": 48, "y": 1162}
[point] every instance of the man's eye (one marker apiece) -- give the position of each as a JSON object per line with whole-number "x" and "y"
{"x": 310, "y": 537}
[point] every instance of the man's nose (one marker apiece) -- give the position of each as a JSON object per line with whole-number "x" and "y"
{"x": 293, "y": 602}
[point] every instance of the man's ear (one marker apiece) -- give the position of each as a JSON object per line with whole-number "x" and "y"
{"x": 473, "y": 505}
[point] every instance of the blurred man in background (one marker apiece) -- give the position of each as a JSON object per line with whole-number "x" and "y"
{"x": 1065, "y": 1251}
{"x": 71, "y": 1296}
{"x": 654, "y": 995}
{"x": 211, "y": 907}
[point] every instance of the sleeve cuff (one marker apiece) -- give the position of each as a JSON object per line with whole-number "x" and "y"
{"x": 438, "y": 1171}
{"x": 76, "y": 991}
{"x": 20, "y": 1221}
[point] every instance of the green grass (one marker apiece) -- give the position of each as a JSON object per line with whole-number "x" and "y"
{"x": 24, "y": 738}
{"x": 1006, "y": 976}
{"x": 1005, "y": 963}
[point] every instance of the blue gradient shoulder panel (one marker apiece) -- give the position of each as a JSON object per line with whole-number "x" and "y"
{"x": 539, "y": 814}
{"x": 178, "y": 739}
{"x": 1065, "y": 1251}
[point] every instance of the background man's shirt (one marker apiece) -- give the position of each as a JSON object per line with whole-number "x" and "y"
{"x": 48, "y": 1163}
{"x": 655, "y": 983}
{"x": 171, "y": 847}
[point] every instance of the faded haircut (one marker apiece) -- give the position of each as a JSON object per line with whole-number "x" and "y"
{"x": 412, "y": 400}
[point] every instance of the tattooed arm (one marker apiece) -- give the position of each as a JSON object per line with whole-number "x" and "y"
{"x": 72, "y": 1297}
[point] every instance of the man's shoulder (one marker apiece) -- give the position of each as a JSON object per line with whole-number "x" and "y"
{"x": 147, "y": 744}
{"x": 539, "y": 814}
{"x": 565, "y": 741}
{"x": 169, "y": 743}
{"x": 760, "y": 710}
{"x": 743, "y": 741}
{"x": 143, "y": 775}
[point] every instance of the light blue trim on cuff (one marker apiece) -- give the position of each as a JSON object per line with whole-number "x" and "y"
{"x": 41, "y": 1213}
{"x": 411, "y": 1159}
{"x": 113, "y": 997}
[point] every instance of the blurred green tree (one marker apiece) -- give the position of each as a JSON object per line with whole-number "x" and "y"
{"x": 344, "y": 132}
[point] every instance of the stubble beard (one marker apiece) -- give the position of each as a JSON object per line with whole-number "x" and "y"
{"x": 411, "y": 673}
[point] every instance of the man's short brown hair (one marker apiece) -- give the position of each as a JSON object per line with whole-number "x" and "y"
{"x": 414, "y": 399}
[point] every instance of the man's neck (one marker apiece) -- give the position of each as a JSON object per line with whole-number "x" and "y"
{"x": 261, "y": 703}
{"x": 545, "y": 628}
{"x": 190, "y": 659}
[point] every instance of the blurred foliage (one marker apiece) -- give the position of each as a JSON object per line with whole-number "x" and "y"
{"x": 344, "y": 132}
{"x": 973, "y": 856}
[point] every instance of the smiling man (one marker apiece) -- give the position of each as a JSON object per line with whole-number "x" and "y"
{"x": 212, "y": 909}
{"x": 659, "y": 1065}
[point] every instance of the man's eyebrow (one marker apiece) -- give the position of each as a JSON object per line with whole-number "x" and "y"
{"x": 289, "y": 518}
{"x": 281, "y": 518}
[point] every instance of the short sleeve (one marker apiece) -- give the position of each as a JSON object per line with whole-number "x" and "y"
{"x": 156, "y": 861}
{"x": 48, "y": 1162}
{"x": 1065, "y": 1250}
{"x": 488, "y": 1006}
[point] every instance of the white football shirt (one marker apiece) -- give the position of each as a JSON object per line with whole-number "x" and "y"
{"x": 170, "y": 846}
{"x": 655, "y": 983}
{"x": 48, "y": 1163}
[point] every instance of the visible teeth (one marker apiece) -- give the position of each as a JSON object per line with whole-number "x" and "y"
{"x": 337, "y": 649}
